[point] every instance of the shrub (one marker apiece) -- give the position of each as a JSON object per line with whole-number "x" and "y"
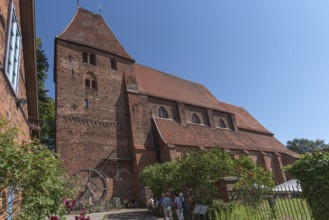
{"x": 195, "y": 174}
{"x": 35, "y": 173}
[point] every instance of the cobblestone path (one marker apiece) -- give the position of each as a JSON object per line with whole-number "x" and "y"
{"x": 124, "y": 214}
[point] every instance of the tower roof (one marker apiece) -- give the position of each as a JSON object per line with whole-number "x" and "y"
{"x": 90, "y": 29}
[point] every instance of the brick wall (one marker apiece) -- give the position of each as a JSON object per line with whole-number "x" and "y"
{"x": 8, "y": 108}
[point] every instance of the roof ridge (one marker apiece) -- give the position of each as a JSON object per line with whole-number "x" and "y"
{"x": 67, "y": 26}
{"x": 152, "y": 68}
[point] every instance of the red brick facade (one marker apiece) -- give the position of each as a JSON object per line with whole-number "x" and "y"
{"x": 104, "y": 113}
{"x": 23, "y": 116}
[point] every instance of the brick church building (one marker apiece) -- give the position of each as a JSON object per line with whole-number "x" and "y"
{"x": 117, "y": 116}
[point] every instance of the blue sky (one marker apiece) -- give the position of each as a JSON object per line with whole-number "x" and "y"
{"x": 270, "y": 57}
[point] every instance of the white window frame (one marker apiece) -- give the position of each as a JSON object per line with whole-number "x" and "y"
{"x": 13, "y": 50}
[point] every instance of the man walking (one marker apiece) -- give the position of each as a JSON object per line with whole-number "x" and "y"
{"x": 178, "y": 202}
{"x": 166, "y": 204}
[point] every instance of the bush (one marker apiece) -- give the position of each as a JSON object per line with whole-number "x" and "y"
{"x": 312, "y": 171}
{"x": 34, "y": 173}
{"x": 195, "y": 174}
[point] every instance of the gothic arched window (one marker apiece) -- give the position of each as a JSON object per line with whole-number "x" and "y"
{"x": 163, "y": 112}
{"x": 195, "y": 118}
{"x": 222, "y": 123}
{"x": 90, "y": 81}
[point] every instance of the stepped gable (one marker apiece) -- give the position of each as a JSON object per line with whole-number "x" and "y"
{"x": 158, "y": 84}
{"x": 174, "y": 133}
{"x": 90, "y": 29}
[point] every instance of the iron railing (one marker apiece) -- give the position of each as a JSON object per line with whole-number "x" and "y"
{"x": 279, "y": 203}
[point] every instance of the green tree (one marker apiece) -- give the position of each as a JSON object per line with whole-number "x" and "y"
{"x": 312, "y": 172}
{"x": 34, "y": 173}
{"x": 303, "y": 145}
{"x": 160, "y": 177}
{"x": 195, "y": 173}
{"x": 46, "y": 104}
{"x": 199, "y": 170}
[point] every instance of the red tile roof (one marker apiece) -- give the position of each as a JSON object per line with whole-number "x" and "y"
{"x": 202, "y": 136}
{"x": 90, "y": 29}
{"x": 158, "y": 84}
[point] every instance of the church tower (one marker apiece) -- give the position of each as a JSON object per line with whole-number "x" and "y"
{"x": 92, "y": 122}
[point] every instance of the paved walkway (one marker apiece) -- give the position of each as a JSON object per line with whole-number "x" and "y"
{"x": 123, "y": 214}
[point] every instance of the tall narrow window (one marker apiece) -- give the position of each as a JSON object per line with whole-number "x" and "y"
{"x": 85, "y": 103}
{"x": 87, "y": 83}
{"x": 85, "y": 57}
{"x": 163, "y": 112}
{"x": 222, "y": 123}
{"x": 13, "y": 50}
{"x": 195, "y": 118}
{"x": 114, "y": 65}
{"x": 92, "y": 59}
{"x": 93, "y": 84}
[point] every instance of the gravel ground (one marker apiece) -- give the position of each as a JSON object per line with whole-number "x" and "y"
{"x": 123, "y": 214}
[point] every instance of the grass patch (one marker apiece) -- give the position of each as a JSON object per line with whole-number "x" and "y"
{"x": 279, "y": 209}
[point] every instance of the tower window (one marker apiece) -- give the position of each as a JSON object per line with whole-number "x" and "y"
{"x": 114, "y": 65}
{"x": 93, "y": 84}
{"x": 92, "y": 59}
{"x": 87, "y": 83}
{"x": 163, "y": 112}
{"x": 222, "y": 123}
{"x": 90, "y": 81}
{"x": 195, "y": 118}
{"x": 85, "y": 103}
{"x": 85, "y": 57}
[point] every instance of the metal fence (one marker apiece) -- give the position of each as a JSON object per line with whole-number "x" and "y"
{"x": 280, "y": 203}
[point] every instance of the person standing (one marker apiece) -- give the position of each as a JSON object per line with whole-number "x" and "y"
{"x": 150, "y": 206}
{"x": 160, "y": 204}
{"x": 166, "y": 205}
{"x": 178, "y": 202}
